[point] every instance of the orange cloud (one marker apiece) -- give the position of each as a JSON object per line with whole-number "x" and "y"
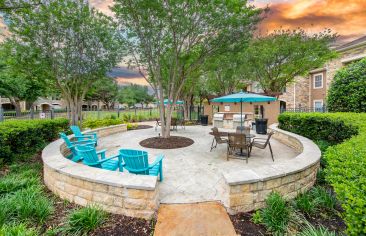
{"x": 347, "y": 18}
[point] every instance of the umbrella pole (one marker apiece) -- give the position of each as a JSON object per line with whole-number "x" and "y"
{"x": 241, "y": 116}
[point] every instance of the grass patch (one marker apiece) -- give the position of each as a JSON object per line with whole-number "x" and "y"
{"x": 17, "y": 230}
{"x": 26, "y": 205}
{"x": 83, "y": 220}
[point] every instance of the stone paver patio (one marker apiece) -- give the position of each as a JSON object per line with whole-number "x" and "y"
{"x": 194, "y": 174}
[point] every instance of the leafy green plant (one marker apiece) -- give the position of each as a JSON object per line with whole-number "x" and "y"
{"x": 95, "y": 123}
{"x": 324, "y": 198}
{"x": 28, "y": 204}
{"x": 345, "y": 160}
{"x": 347, "y": 92}
{"x": 311, "y": 230}
{"x": 82, "y": 221}
{"x": 22, "y": 138}
{"x": 276, "y": 214}
{"x": 306, "y": 203}
{"x": 257, "y": 218}
{"x": 17, "y": 229}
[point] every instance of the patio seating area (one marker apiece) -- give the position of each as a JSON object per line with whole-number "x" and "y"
{"x": 195, "y": 173}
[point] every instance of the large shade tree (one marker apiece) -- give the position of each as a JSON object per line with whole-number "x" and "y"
{"x": 275, "y": 60}
{"x": 104, "y": 90}
{"x": 168, "y": 40}
{"x": 79, "y": 44}
{"x": 22, "y": 78}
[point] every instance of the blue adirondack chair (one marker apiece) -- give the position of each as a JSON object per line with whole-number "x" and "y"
{"x": 91, "y": 158}
{"x": 72, "y": 144}
{"x": 136, "y": 162}
{"x": 80, "y": 136}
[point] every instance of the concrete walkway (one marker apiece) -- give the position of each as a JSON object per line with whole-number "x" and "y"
{"x": 209, "y": 218}
{"x": 194, "y": 174}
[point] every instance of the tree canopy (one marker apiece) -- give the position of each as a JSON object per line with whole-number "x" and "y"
{"x": 347, "y": 92}
{"x": 77, "y": 43}
{"x": 275, "y": 60}
{"x": 168, "y": 40}
{"x": 134, "y": 94}
{"x": 104, "y": 90}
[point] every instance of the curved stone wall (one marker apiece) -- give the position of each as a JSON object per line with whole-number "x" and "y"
{"x": 115, "y": 192}
{"x": 247, "y": 190}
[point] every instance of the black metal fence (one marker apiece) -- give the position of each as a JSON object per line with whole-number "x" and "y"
{"x": 135, "y": 114}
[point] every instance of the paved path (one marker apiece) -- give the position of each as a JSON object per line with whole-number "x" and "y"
{"x": 196, "y": 219}
{"x": 194, "y": 174}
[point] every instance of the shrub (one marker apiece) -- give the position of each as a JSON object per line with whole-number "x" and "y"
{"x": 22, "y": 138}
{"x": 95, "y": 123}
{"x": 317, "y": 126}
{"x": 17, "y": 230}
{"x": 82, "y": 221}
{"x": 276, "y": 214}
{"x": 346, "y": 161}
{"x": 13, "y": 182}
{"x": 347, "y": 92}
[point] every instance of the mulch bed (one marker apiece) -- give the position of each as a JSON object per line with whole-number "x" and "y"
{"x": 167, "y": 143}
{"x": 123, "y": 225}
{"x": 245, "y": 227}
{"x": 331, "y": 222}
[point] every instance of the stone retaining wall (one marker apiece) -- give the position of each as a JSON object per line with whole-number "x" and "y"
{"x": 115, "y": 192}
{"x": 248, "y": 189}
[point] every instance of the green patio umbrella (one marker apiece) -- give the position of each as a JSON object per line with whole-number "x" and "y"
{"x": 243, "y": 97}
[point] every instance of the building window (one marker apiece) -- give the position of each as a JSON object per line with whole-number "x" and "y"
{"x": 318, "y": 81}
{"x": 318, "y": 105}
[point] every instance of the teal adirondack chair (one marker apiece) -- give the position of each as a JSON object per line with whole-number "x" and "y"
{"x": 80, "y": 136}
{"x": 91, "y": 158}
{"x": 136, "y": 162}
{"x": 72, "y": 144}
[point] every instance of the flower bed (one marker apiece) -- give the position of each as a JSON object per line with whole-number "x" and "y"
{"x": 346, "y": 160}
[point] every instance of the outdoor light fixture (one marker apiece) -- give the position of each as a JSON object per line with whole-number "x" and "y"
{"x": 250, "y": 103}
{"x": 269, "y": 102}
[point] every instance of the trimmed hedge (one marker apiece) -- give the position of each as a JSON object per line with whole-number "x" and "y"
{"x": 346, "y": 160}
{"x": 22, "y": 138}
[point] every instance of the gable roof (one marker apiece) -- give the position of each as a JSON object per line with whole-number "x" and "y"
{"x": 352, "y": 44}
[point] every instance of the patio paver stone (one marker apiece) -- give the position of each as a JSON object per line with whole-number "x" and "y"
{"x": 207, "y": 218}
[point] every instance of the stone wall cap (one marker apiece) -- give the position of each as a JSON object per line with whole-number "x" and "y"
{"x": 53, "y": 158}
{"x": 309, "y": 156}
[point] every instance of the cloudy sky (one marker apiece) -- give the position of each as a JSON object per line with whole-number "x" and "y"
{"x": 346, "y": 17}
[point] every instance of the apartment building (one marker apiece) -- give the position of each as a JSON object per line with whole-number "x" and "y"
{"x": 311, "y": 91}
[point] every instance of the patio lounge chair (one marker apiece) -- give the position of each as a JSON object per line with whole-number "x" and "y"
{"x": 80, "y": 136}
{"x": 91, "y": 158}
{"x": 238, "y": 141}
{"x": 262, "y": 143}
{"x": 174, "y": 124}
{"x": 72, "y": 144}
{"x": 136, "y": 162}
{"x": 217, "y": 138}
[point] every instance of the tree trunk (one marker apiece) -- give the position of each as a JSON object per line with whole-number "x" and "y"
{"x": 16, "y": 103}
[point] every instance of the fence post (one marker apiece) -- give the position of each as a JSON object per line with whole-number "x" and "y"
{"x": 118, "y": 112}
{"x": 31, "y": 113}
{"x": 135, "y": 111}
{"x": 1, "y": 114}
{"x": 52, "y": 114}
{"x": 98, "y": 113}
{"x": 190, "y": 113}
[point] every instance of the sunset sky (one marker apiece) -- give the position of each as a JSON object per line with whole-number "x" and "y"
{"x": 345, "y": 17}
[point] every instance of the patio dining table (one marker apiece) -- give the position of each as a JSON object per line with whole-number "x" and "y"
{"x": 226, "y": 134}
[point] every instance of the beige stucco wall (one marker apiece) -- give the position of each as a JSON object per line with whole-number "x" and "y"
{"x": 271, "y": 109}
